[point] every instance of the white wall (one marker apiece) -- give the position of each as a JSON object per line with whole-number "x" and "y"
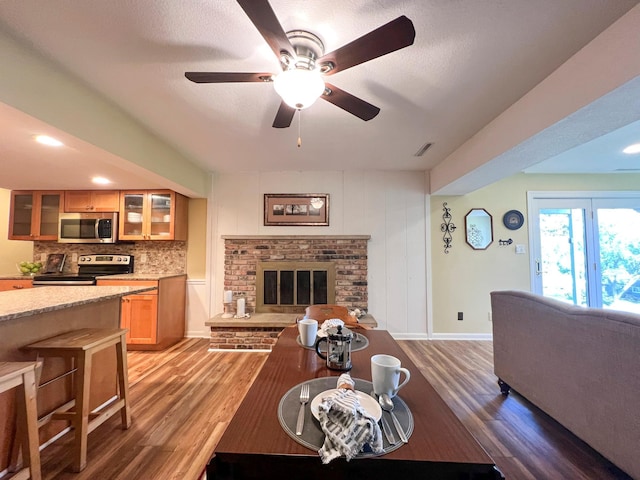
{"x": 197, "y": 309}
{"x": 389, "y": 206}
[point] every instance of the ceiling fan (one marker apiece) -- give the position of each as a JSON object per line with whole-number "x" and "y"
{"x": 304, "y": 63}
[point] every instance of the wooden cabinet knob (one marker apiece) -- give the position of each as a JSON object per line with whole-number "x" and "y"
{"x": 18, "y": 287}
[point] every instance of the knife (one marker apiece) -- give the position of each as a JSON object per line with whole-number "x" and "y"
{"x": 396, "y": 422}
{"x": 386, "y": 428}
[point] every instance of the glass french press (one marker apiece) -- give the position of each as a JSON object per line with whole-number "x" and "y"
{"x": 338, "y": 341}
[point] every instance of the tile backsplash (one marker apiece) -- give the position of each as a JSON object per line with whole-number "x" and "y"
{"x": 160, "y": 257}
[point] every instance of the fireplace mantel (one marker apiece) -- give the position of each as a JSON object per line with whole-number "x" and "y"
{"x": 295, "y": 237}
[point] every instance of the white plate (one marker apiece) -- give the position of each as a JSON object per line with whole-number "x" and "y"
{"x": 369, "y": 404}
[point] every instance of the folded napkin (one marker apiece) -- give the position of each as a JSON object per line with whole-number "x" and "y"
{"x": 346, "y": 425}
{"x": 327, "y": 324}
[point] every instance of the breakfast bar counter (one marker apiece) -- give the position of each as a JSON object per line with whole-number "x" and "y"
{"x": 32, "y": 301}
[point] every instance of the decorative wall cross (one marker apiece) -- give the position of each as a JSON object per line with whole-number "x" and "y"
{"x": 447, "y": 228}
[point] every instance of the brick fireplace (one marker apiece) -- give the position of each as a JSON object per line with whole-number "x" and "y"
{"x": 246, "y": 257}
{"x": 320, "y": 266}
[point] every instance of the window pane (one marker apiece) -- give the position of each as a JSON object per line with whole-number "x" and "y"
{"x": 304, "y": 287}
{"x": 563, "y": 255}
{"x": 49, "y": 214}
{"x": 619, "y": 244}
{"x": 286, "y": 287}
{"x": 23, "y": 209}
{"x": 271, "y": 287}
{"x": 319, "y": 287}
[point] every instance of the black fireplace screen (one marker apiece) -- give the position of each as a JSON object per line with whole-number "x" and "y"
{"x": 292, "y": 289}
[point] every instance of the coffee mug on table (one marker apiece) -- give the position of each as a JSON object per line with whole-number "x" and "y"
{"x": 385, "y": 375}
{"x": 308, "y": 329}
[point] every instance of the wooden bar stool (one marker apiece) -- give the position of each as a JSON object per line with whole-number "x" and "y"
{"x": 23, "y": 376}
{"x": 80, "y": 345}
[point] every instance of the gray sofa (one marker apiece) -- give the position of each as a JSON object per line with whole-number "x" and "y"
{"x": 579, "y": 365}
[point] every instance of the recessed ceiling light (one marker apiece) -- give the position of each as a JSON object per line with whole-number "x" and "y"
{"x": 635, "y": 148}
{"x": 47, "y": 140}
{"x": 101, "y": 180}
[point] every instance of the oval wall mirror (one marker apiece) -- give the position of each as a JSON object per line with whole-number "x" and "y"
{"x": 478, "y": 225}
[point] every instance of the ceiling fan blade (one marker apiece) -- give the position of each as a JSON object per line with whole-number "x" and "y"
{"x": 265, "y": 20}
{"x": 396, "y": 34}
{"x": 226, "y": 77}
{"x": 284, "y": 117}
{"x": 354, "y": 105}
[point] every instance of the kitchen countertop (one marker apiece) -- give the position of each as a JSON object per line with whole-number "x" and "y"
{"x": 140, "y": 276}
{"x": 122, "y": 276}
{"x": 33, "y": 301}
{"x": 15, "y": 276}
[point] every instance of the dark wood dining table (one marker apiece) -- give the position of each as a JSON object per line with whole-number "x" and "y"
{"x": 255, "y": 446}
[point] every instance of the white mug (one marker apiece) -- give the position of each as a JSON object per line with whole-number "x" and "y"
{"x": 308, "y": 329}
{"x": 385, "y": 375}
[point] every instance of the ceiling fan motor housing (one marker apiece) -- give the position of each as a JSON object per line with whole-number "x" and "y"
{"x": 307, "y": 48}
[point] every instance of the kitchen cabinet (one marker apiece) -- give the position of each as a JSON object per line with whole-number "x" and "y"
{"x": 152, "y": 215}
{"x": 6, "y": 285}
{"x": 91, "y": 201}
{"x": 155, "y": 319}
{"x": 139, "y": 315}
{"x": 34, "y": 215}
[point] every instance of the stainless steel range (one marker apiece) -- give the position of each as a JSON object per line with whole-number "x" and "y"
{"x": 89, "y": 267}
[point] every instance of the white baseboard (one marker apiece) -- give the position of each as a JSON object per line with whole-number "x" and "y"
{"x": 462, "y": 336}
{"x": 197, "y": 334}
{"x": 409, "y": 336}
{"x": 238, "y": 350}
{"x": 441, "y": 336}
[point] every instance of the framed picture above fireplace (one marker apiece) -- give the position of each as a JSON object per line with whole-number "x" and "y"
{"x": 297, "y": 209}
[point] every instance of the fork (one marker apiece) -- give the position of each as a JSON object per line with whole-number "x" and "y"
{"x": 304, "y": 398}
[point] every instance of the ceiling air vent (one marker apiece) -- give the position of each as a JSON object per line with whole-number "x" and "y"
{"x": 422, "y": 149}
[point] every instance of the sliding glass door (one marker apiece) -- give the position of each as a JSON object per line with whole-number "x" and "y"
{"x": 586, "y": 249}
{"x": 618, "y": 237}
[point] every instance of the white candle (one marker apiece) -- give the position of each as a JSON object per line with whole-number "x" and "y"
{"x": 228, "y": 296}
{"x": 240, "y": 307}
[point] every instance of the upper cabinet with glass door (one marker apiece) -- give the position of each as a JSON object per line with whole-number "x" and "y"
{"x": 152, "y": 215}
{"x": 34, "y": 215}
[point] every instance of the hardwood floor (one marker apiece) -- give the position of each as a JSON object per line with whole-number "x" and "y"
{"x": 183, "y": 398}
{"x": 524, "y": 442}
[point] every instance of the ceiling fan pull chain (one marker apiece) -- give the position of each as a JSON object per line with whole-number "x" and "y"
{"x": 299, "y": 122}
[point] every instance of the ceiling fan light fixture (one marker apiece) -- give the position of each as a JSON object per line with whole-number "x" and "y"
{"x": 299, "y": 88}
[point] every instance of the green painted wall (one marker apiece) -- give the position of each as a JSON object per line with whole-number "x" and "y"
{"x": 463, "y": 278}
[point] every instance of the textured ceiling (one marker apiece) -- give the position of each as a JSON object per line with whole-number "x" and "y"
{"x": 471, "y": 60}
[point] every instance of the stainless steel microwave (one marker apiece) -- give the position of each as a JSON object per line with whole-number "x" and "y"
{"x": 88, "y": 228}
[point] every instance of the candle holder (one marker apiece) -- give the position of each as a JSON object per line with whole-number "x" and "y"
{"x": 227, "y": 311}
{"x": 228, "y": 300}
